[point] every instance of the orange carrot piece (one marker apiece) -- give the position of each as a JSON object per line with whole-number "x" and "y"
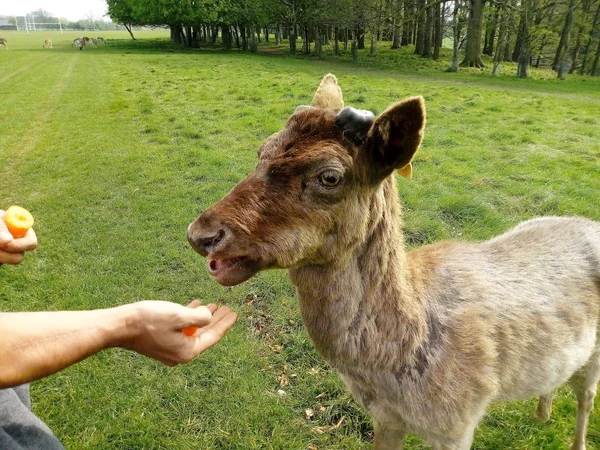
{"x": 18, "y": 221}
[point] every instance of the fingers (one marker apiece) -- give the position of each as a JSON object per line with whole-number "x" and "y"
{"x": 198, "y": 316}
{"x": 223, "y": 320}
{"x": 11, "y": 258}
{"x": 5, "y": 236}
{"x": 24, "y": 244}
{"x": 195, "y": 303}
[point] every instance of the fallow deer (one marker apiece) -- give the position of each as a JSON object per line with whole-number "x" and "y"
{"x": 47, "y": 43}
{"x": 424, "y": 340}
{"x": 4, "y": 42}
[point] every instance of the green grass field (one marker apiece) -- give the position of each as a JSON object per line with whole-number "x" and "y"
{"x": 117, "y": 149}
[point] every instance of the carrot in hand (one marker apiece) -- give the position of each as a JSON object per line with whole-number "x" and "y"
{"x": 189, "y": 331}
{"x": 18, "y": 221}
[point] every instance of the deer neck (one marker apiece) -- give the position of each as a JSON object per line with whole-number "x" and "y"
{"x": 351, "y": 310}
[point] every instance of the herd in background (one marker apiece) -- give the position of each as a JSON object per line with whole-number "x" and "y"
{"x": 79, "y": 43}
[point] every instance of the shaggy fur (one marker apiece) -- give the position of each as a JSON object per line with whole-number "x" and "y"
{"x": 424, "y": 340}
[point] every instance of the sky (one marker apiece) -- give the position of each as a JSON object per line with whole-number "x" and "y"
{"x": 70, "y": 9}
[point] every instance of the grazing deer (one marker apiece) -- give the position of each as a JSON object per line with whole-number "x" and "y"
{"x": 424, "y": 340}
{"x": 4, "y": 42}
{"x": 78, "y": 43}
{"x": 95, "y": 42}
{"x": 47, "y": 43}
{"x": 101, "y": 40}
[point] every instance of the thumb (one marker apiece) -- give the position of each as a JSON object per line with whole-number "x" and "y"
{"x": 5, "y": 236}
{"x": 198, "y": 317}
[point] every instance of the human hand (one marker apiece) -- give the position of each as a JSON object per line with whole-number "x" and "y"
{"x": 13, "y": 250}
{"x": 154, "y": 329}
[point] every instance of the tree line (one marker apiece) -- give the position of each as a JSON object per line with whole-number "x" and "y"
{"x": 562, "y": 34}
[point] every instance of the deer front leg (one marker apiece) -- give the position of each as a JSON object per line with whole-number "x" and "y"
{"x": 544, "y": 408}
{"x": 388, "y": 438}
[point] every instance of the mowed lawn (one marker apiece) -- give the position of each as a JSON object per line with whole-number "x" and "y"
{"x": 116, "y": 150}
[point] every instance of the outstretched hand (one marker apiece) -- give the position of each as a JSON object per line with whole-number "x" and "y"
{"x": 155, "y": 329}
{"x": 13, "y": 250}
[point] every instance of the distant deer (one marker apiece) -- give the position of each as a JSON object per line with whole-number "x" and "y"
{"x": 424, "y": 340}
{"x": 101, "y": 40}
{"x": 4, "y": 42}
{"x": 47, "y": 43}
{"x": 78, "y": 43}
{"x": 95, "y": 42}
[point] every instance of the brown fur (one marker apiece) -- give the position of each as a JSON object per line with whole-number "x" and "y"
{"x": 47, "y": 43}
{"x": 424, "y": 340}
{"x": 4, "y": 42}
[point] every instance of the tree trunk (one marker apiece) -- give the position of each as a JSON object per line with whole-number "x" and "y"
{"x": 407, "y": 23}
{"x": 524, "y": 53}
{"x": 517, "y": 49}
{"x": 427, "y": 32}
{"x": 565, "y": 61}
{"x": 243, "y": 35}
{"x": 595, "y": 72}
{"x": 489, "y": 48}
{"x": 188, "y": 34}
{"x": 360, "y": 37}
{"x": 266, "y": 34}
{"x": 226, "y": 34}
{"x": 420, "y": 43}
{"x": 456, "y": 38}
{"x": 236, "y": 35}
{"x": 354, "y": 50}
{"x": 305, "y": 40}
{"x": 564, "y": 36}
{"x": 317, "y": 41}
{"x": 576, "y": 49}
{"x": 345, "y": 39}
{"x": 293, "y": 38}
{"x": 373, "y": 48}
{"x": 128, "y": 28}
{"x": 336, "y": 43}
{"x": 437, "y": 35}
{"x": 502, "y": 38}
{"x": 473, "y": 46}
{"x": 589, "y": 42}
{"x": 396, "y": 25}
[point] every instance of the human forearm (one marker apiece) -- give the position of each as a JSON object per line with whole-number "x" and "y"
{"x": 37, "y": 344}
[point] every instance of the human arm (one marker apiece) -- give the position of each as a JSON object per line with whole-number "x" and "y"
{"x": 37, "y": 344}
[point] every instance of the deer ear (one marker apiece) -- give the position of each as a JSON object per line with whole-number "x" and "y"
{"x": 396, "y": 136}
{"x": 329, "y": 94}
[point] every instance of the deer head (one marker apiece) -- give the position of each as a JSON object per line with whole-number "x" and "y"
{"x": 310, "y": 199}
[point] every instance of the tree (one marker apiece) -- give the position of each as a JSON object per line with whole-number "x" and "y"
{"x": 524, "y": 53}
{"x": 566, "y": 31}
{"x": 122, "y": 11}
{"x": 474, "y": 27}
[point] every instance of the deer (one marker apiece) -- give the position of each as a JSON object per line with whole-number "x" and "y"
{"x": 424, "y": 339}
{"x": 4, "y": 42}
{"x": 78, "y": 43}
{"x": 47, "y": 43}
{"x": 100, "y": 40}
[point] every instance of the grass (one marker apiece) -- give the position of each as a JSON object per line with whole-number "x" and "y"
{"x": 115, "y": 150}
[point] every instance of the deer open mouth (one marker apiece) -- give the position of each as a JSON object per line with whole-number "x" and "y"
{"x": 232, "y": 271}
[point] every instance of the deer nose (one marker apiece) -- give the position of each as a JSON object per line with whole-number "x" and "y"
{"x": 205, "y": 241}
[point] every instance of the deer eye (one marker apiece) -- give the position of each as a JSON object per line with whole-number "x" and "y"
{"x": 330, "y": 179}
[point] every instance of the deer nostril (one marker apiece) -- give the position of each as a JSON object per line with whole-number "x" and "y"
{"x": 208, "y": 243}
